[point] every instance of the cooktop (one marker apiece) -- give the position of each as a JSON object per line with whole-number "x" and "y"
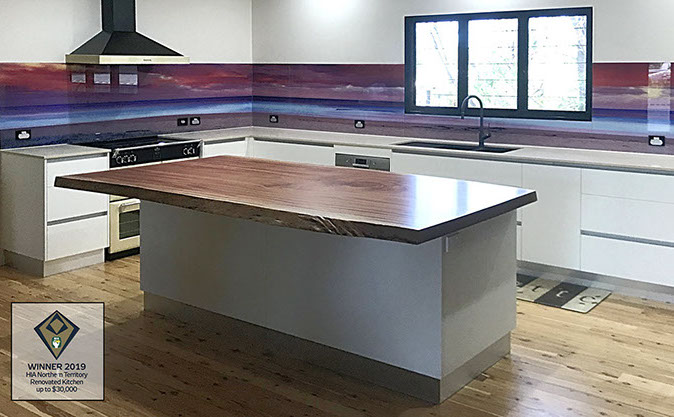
{"x": 131, "y": 142}
{"x": 147, "y": 149}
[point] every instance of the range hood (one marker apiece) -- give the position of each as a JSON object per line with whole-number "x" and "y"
{"x": 120, "y": 44}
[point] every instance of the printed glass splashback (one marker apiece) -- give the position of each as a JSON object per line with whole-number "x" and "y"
{"x": 71, "y": 103}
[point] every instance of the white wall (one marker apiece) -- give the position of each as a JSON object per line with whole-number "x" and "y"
{"x": 208, "y": 31}
{"x": 371, "y": 31}
{"x": 307, "y": 31}
{"x": 44, "y": 31}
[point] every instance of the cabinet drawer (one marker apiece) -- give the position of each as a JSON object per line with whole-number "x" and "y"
{"x": 77, "y": 237}
{"x": 75, "y": 166}
{"x": 632, "y": 218}
{"x": 630, "y": 185}
{"x": 630, "y": 260}
{"x": 226, "y": 148}
{"x": 293, "y": 152}
{"x": 493, "y": 172}
{"x": 66, "y": 204}
{"x": 359, "y": 150}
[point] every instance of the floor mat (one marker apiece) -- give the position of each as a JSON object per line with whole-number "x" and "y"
{"x": 563, "y": 295}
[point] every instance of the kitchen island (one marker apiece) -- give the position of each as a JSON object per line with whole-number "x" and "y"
{"x": 402, "y": 280}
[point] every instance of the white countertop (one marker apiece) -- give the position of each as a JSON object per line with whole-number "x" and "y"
{"x": 620, "y": 161}
{"x": 57, "y": 151}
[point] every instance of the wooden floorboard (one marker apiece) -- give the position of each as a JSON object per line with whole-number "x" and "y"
{"x": 617, "y": 361}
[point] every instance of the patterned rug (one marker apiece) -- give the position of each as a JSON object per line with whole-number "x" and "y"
{"x": 563, "y": 295}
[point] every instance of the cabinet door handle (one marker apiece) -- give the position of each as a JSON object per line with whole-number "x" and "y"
{"x": 132, "y": 206}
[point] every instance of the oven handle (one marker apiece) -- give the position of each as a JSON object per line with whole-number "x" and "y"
{"x": 130, "y": 206}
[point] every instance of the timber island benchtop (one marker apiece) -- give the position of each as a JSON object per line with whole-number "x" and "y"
{"x": 340, "y": 201}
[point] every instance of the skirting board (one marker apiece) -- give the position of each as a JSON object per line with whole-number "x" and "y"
{"x": 40, "y": 268}
{"x": 394, "y": 378}
{"x": 617, "y": 285}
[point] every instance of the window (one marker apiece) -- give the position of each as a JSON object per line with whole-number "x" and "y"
{"x": 527, "y": 64}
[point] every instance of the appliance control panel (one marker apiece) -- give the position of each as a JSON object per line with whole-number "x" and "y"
{"x": 152, "y": 154}
{"x": 363, "y": 162}
{"x": 181, "y": 151}
{"x": 123, "y": 158}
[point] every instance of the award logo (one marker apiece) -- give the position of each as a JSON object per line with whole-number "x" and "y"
{"x": 56, "y": 332}
{"x": 58, "y": 351}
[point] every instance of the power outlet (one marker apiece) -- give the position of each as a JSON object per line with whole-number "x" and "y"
{"x": 23, "y": 134}
{"x": 656, "y": 140}
{"x": 359, "y": 124}
{"x": 183, "y": 121}
{"x": 195, "y": 121}
{"x": 273, "y": 118}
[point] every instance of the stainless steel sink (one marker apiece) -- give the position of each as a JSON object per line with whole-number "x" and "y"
{"x": 456, "y": 147}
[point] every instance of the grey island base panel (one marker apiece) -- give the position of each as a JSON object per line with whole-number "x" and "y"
{"x": 420, "y": 319}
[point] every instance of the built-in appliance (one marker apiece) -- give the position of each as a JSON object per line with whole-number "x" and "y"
{"x": 147, "y": 150}
{"x": 363, "y": 162}
{"x": 124, "y": 211}
{"x": 119, "y": 43}
{"x": 124, "y": 227}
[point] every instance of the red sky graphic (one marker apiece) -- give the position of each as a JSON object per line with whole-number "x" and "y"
{"x": 49, "y": 84}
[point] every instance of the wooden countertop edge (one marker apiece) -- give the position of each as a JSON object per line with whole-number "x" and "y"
{"x": 309, "y": 222}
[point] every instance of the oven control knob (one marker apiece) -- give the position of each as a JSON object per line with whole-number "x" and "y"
{"x": 185, "y": 151}
{"x": 119, "y": 160}
{"x": 133, "y": 158}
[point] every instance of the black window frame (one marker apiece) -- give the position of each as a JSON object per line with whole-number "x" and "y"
{"x": 522, "y": 111}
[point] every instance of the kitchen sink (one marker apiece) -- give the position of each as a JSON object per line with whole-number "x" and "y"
{"x": 456, "y": 147}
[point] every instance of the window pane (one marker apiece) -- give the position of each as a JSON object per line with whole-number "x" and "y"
{"x": 492, "y": 62}
{"x": 437, "y": 64}
{"x": 558, "y": 63}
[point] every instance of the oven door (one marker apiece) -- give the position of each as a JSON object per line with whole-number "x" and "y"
{"x": 124, "y": 225}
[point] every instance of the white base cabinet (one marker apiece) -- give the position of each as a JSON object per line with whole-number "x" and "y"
{"x": 593, "y": 220}
{"x": 292, "y": 152}
{"x": 267, "y": 149}
{"x": 636, "y": 261}
{"x": 551, "y": 232}
{"x": 627, "y": 225}
{"x": 44, "y": 229}
{"x": 623, "y": 217}
{"x": 494, "y": 172}
{"x": 599, "y": 221}
{"x": 75, "y": 237}
{"x": 231, "y": 148}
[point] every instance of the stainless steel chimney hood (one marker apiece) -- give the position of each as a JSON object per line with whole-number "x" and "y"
{"x": 120, "y": 44}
